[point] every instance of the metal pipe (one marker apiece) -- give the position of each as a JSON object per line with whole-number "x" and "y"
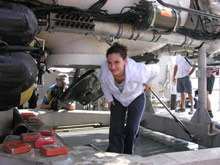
{"x": 19, "y": 126}
{"x": 202, "y": 79}
{"x": 188, "y": 10}
{"x": 64, "y": 128}
{"x": 128, "y": 32}
{"x": 14, "y": 48}
{"x": 201, "y": 115}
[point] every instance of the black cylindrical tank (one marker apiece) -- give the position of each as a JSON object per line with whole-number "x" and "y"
{"x": 18, "y": 73}
{"x": 156, "y": 17}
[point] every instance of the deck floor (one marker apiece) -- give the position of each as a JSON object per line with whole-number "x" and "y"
{"x": 148, "y": 142}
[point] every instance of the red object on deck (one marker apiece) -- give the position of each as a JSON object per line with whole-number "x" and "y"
{"x": 30, "y": 137}
{"x": 54, "y": 149}
{"x": 44, "y": 140}
{"x": 46, "y": 131}
{"x": 34, "y": 119}
{"x": 26, "y": 115}
{"x": 16, "y": 147}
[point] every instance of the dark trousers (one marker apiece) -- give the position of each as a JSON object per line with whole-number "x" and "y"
{"x": 122, "y": 138}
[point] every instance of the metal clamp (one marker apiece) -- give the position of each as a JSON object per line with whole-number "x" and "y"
{"x": 156, "y": 37}
{"x": 120, "y": 31}
{"x": 177, "y": 21}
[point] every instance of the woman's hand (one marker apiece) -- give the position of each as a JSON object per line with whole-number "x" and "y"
{"x": 110, "y": 103}
{"x": 146, "y": 87}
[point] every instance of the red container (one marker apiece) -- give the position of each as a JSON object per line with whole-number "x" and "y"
{"x": 46, "y": 131}
{"x": 16, "y": 147}
{"x": 54, "y": 149}
{"x": 30, "y": 137}
{"x": 34, "y": 119}
{"x": 44, "y": 140}
{"x": 26, "y": 115}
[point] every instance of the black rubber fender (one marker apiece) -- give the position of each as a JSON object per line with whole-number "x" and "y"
{"x": 18, "y": 72}
{"x": 18, "y": 24}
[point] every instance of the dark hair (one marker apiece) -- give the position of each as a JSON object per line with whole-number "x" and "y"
{"x": 117, "y": 48}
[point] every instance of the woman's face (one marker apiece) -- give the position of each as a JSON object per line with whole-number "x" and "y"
{"x": 116, "y": 64}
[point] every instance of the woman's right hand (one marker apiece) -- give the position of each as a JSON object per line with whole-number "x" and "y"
{"x": 110, "y": 103}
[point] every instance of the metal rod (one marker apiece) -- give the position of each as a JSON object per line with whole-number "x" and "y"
{"x": 202, "y": 79}
{"x": 94, "y": 147}
{"x": 111, "y": 29}
{"x": 201, "y": 115}
{"x": 61, "y": 128}
{"x": 175, "y": 118}
{"x": 14, "y": 48}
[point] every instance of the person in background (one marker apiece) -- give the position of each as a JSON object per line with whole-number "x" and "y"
{"x": 210, "y": 84}
{"x": 184, "y": 70}
{"x": 122, "y": 81}
{"x": 56, "y": 89}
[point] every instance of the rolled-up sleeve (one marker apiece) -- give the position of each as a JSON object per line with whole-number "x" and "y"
{"x": 150, "y": 72}
{"x": 105, "y": 88}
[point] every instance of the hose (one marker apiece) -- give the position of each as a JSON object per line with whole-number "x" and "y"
{"x": 19, "y": 126}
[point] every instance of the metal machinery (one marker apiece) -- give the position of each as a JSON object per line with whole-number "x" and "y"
{"x": 77, "y": 33}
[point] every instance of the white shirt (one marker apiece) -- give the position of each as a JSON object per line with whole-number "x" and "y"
{"x": 135, "y": 75}
{"x": 183, "y": 66}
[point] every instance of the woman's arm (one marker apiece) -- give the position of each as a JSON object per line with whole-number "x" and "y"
{"x": 150, "y": 72}
{"x": 104, "y": 86}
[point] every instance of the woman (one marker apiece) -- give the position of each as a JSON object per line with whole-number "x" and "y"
{"x": 122, "y": 81}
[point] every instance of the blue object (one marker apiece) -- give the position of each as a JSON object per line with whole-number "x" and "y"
{"x": 195, "y": 103}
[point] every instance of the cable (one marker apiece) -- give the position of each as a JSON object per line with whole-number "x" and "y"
{"x": 98, "y": 5}
{"x": 132, "y": 16}
{"x": 197, "y": 34}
